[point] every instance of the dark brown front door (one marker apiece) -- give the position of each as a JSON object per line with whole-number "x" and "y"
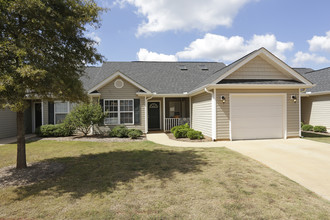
{"x": 154, "y": 115}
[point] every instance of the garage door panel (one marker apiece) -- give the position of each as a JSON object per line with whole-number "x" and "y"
{"x": 257, "y": 116}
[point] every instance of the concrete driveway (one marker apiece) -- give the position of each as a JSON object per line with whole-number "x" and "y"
{"x": 305, "y": 162}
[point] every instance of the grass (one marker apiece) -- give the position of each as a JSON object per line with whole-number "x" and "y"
{"x": 143, "y": 180}
{"x": 316, "y": 137}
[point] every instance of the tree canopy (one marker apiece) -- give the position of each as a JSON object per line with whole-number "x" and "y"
{"x": 44, "y": 49}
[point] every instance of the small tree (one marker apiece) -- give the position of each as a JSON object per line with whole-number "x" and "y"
{"x": 83, "y": 117}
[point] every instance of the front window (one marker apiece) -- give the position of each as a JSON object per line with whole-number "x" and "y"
{"x": 175, "y": 109}
{"x": 118, "y": 111}
{"x": 61, "y": 109}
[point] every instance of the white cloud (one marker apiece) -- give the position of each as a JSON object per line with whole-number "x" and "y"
{"x": 320, "y": 43}
{"x": 164, "y": 15}
{"x": 302, "y": 58}
{"x": 221, "y": 48}
{"x": 94, "y": 37}
{"x": 145, "y": 55}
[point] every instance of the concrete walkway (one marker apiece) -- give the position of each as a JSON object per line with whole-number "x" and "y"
{"x": 11, "y": 140}
{"x": 163, "y": 139}
{"x": 303, "y": 161}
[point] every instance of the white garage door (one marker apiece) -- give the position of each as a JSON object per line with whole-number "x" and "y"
{"x": 256, "y": 116}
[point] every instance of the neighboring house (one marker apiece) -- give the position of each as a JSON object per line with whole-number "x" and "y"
{"x": 257, "y": 96}
{"x": 316, "y": 101}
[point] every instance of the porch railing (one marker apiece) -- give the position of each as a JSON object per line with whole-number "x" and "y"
{"x": 172, "y": 122}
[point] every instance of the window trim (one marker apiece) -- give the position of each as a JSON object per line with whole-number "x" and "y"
{"x": 118, "y": 112}
{"x": 68, "y": 105}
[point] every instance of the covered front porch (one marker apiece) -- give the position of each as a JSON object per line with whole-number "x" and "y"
{"x": 164, "y": 113}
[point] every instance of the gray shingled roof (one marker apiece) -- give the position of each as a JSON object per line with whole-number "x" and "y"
{"x": 159, "y": 77}
{"x": 167, "y": 77}
{"x": 303, "y": 70}
{"x": 321, "y": 78}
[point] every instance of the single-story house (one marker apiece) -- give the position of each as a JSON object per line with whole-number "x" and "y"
{"x": 315, "y": 108}
{"x": 255, "y": 97}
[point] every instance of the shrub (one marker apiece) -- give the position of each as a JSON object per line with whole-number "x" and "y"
{"x": 83, "y": 117}
{"x": 192, "y": 134}
{"x": 301, "y": 124}
{"x": 307, "y": 128}
{"x": 179, "y": 127}
{"x": 119, "y": 131}
{"x": 59, "y": 130}
{"x": 181, "y": 132}
{"x": 134, "y": 133}
{"x": 320, "y": 129}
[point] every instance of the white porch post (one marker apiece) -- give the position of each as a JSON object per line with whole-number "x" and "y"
{"x": 164, "y": 114}
{"x": 145, "y": 115}
{"x": 214, "y": 115}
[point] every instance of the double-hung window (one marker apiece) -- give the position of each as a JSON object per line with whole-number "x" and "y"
{"x": 61, "y": 109}
{"x": 119, "y": 111}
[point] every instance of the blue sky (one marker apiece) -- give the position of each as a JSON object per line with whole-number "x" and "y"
{"x": 296, "y": 31}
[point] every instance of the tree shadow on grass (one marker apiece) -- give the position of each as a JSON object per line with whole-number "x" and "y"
{"x": 98, "y": 173}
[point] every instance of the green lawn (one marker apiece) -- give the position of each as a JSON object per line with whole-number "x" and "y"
{"x": 316, "y": 137}
{"x": 143, "y": 180}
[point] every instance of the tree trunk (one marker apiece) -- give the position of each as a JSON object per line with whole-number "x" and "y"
{"x": 21, "y": 156}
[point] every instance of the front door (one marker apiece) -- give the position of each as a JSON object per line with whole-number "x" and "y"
{"x": 154, "y": 115}
{"x": 37, "y": 114}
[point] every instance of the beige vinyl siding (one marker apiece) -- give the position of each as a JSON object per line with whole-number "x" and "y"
{"x": 128, "y": 91}
{"x": 202, "y": 113}
{"x": 7, "y": 123}
{"x": 223, "y": 111}
{"x": 258, "y": 68}
{"x": 315, "y": 110}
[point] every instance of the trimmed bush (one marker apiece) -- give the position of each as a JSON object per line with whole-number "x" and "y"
{"x": 59, "y": 130}
{"x": 181, "y": 132}
{"x": 134, "y": 133}
{"x": 179, "y": 127}
{"x": 119, "y": 131}
{"x": 319, "y": 128}
{"x": 301, "y": 124}
{"x": 192, "y": 134}
{"x": 307, "y": 128}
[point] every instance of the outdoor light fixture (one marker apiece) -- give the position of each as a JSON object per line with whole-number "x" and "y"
{"x": 294, "y": 98}
{"x": 223, "y": 99}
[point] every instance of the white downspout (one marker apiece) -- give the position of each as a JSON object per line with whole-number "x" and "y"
{"x": 214, "y": 122}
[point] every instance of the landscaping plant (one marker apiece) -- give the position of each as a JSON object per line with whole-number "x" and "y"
{"x": 119, "y": 131}
{"x": 134, "y": 133}
{"x": 192, "y": 134}
{"x": 307, "y": 127}
{"x": 319, "y": 128}
{"x": 181, "y": 131}
{"x": 83, "y": 117}
{"x": 59, "y": 130}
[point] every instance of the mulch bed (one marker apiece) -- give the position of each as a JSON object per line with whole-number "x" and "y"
{"x": 10, "y": 176}
{"x": 171, "y": 136}
{"x": 94, "y": 138}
